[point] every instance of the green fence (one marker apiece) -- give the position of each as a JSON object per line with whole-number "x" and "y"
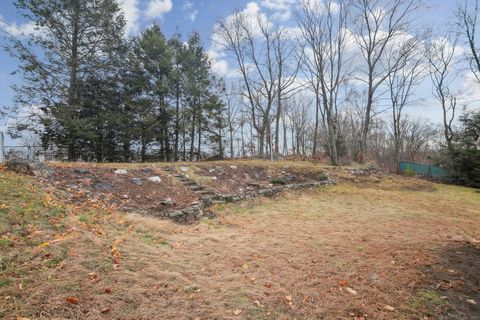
{"x": 434, "y": 172}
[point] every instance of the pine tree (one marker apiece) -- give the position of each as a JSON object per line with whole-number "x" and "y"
{"x": 74, "y": 41}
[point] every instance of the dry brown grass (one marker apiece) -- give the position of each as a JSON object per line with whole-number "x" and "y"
{"x": 280, "y": 258}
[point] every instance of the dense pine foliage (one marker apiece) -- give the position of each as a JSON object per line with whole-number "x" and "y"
{"x": 101, "y": 97}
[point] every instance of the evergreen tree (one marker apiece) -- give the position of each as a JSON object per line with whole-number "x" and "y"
{"x": 75, "y": 41}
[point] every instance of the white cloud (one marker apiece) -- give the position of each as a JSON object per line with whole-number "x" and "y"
{"x": 156, "y": 8}
{"x": 193, "y": 15}
{"x": 132, "y": 14}
{"x": 18, "y": 30}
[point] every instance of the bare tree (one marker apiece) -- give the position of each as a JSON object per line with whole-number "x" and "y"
{"x": 324, "y": 30}
{"x": 401, "y": 83}
{"x": 250, "y": 41}
{"x": 418, "y": 135}
{"x": 378, "y": 25}
{"x": 285, "y": 52}
{"x": 441, "y": 59}
{"x": 467, "y": 15}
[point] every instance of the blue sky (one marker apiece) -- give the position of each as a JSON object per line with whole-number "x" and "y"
{"x": 201, "y": 15}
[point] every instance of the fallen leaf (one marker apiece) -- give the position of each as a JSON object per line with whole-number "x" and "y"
{"x": 389, "y": 308}
{"x": 105, "y": 310}
{"x": 237, "y": 312}
{"x": 72, "y": 300}
{"x": 258, "y": 304}
{"x": 245, "y": 266}
{"x": 288, "y": 298}
{"x": 350, "y": 290}
{"x": 108, "y": 290}
{"x": 22, "y": 318}
{"x": 343, "y": 282}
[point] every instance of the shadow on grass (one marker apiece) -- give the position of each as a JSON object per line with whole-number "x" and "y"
{"x": 452, "y": 288}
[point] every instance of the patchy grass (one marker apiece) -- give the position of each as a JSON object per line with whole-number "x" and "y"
{"x": 339, "y": 252}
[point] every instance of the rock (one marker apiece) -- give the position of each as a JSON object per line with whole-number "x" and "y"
{"x": 37, "y": 169}
{"x": 137, "y": 181}
{"x": 211, "y": 170}
{"x": 105, "y": 186}
{"x": 126, "y": 196}
{"x": 154, "y": 179}
{"x": 120, "y": 171}
{"x": 175, "y": 214}
{"x": 214, "y": 178}
{"x": 184, "y": 169}
{"x": 234, "y": 167}
{"x": 81, "y": 171}
{"x": 147, "y": 170}
{"x": 167, "y": 202}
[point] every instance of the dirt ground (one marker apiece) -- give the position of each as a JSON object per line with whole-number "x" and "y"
{"x": 398, "y": 248}
{"x": 83, "y": 182}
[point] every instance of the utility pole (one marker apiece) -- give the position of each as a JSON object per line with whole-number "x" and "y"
{"x": 2, "y": 154}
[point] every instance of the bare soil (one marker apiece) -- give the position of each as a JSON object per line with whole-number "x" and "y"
{"x": 242, "y": 178}
{"x": 102, "y": 183}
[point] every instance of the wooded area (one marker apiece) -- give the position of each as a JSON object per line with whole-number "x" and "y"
{"x": 323, "y": 88}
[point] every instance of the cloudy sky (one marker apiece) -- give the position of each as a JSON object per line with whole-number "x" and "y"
{"x": 201, "y": 15}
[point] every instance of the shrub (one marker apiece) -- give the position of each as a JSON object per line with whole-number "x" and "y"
{"x": 277, "y": 181}
{"x": 409, "y": 172}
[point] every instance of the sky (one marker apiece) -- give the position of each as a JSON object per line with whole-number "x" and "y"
{"x": 185, "y": 16}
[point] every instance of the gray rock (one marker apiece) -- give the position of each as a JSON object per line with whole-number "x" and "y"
{"x": 175, "y": 214}
{"x": 105, "y": 186}
{"x": 137, "y": 181}
{"x": 167, "y": 202}
{"x": 37, "y": 169}
{"x": 155, "y": 179}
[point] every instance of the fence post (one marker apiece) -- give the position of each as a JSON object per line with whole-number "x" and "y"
{"x": 2, "y": 153}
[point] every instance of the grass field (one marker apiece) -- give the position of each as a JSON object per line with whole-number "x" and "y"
{"x": 402, "y": 248}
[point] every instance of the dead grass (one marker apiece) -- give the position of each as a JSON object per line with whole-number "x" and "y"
{"x": 291, "y": 257}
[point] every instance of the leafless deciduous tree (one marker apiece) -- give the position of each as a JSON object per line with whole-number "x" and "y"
{"x": 441, "y": 59}
{"x": 401, "y": 83}
{"x": 378, "y": 24}
{"x": 467, "y": 15}
{"x": 252, "y": 44}
{"x": 324, "y": 29}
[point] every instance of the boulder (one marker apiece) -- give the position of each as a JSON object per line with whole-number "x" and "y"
{"x": 214, "y": 178}
{"x": 154, "y": 179}
{"x": 233, "y": 167}
{"x": 120, "y": 171}
{"x": 37, "y": 169}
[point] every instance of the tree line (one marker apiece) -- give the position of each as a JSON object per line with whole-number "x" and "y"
{"x": 98, "y": 96}
{"x": 334, "y": 83}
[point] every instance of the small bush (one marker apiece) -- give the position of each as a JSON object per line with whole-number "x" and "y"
{"x": 409, "y": 172}
{"x": 323, "y": 176}
{"x": 278, "y": 182}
